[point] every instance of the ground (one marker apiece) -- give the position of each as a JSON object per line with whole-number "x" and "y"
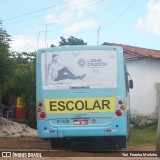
{"x": 12, "y": 141}
{"x": 34, "y": 144}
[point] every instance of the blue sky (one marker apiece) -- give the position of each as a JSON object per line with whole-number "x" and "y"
{"x": 130, "y": 22}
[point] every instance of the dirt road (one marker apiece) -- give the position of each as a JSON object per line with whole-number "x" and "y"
{"x": 34, "y": 144}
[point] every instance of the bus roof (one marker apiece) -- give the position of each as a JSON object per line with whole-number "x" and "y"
{"x": 80, "y": 47}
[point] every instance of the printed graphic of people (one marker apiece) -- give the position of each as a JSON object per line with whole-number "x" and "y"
{"x": 58, "y": 72}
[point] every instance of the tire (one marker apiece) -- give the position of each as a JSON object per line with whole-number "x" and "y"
{"x": 59, "y": 143}
{"x": 55, "y": 143}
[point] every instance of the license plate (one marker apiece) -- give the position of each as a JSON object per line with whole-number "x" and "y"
{"x": 80, "y": 122}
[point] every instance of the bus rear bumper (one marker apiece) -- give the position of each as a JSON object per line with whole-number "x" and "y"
{"x": 117, "y": 128}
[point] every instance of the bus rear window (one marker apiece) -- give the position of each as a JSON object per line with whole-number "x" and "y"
{"x": 79, "y": 69}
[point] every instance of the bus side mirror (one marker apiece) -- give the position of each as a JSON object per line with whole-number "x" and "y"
{"x": 130, "y": 84}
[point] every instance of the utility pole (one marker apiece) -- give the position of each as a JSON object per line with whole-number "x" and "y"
{"x": 38, "y": 38}
{"x": 98, "y": 35}
{"x": 46, "y": 33}
{"x": 158, "y": 110}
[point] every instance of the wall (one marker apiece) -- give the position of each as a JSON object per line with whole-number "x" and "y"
{"x": 145, "y": 73}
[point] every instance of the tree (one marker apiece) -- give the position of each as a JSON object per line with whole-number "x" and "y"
{"x": 23, "y": 83}
{"x": 70, "y": 41}
{"x": 17, "y": 74}
{"x": 5, "y": 60}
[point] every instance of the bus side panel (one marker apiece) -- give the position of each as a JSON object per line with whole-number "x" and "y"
{"x": 45, "y": 130}
{"x": 118, "y": 127}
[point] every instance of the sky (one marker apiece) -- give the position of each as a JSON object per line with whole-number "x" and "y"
{"x": 35, "y": 24}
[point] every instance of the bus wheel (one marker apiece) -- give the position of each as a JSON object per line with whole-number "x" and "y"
{"x": 59, "y": 143}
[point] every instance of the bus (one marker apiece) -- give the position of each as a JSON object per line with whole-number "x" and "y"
{"x": 82, "y": 96}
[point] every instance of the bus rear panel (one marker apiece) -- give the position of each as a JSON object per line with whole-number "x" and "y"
{"x": 82, "y": 94}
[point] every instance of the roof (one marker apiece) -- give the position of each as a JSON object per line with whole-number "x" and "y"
{"x": 132, "y": 52}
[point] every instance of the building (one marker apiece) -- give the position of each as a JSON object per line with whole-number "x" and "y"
{"x": 144, "y": 67}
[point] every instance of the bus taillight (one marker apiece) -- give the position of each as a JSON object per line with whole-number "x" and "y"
{"x": 42, "y": 115}
{"x": 118, "y": 113}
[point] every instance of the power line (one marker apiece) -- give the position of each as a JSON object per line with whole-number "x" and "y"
{"x": 115, "y": 19}
{"x": 90, "y": 4}
{"x": 36, "y": 11}
{"x": 111, "y": 8}
{"x": 55, "y": 11}
{"x": 21, "y": 29}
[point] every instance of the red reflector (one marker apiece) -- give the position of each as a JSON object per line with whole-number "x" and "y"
{"x": 42, "y": 115}
{"x": 109, "y": 130}
{"x": 120, "y": 102}
{"x": 51, "y": 131}
{"x": 118, "y": 113}
{"x": 38, "y": 110}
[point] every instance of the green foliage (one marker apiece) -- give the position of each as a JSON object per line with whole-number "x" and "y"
{"x": 5, "y": 61}
{"x": 147, "y": 125}
{"x": 70, "y": 41}
{"x": 23, "y": 82}
{"x": 143, "y": 136}
{"x": 27, "y": 86}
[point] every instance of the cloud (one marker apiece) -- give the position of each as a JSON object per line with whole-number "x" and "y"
{"x": 67, "y": 14}
{"x": 22, "y": 43}
{"x": 65, "y": 17}
{"x": 54, "y": 41}
{"x": 151, "y": 22}
{"x": 78, "y": 26}
{"x": 72, "y": 18}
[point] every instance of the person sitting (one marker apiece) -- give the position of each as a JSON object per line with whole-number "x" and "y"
{"x": 58, "y": 72}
